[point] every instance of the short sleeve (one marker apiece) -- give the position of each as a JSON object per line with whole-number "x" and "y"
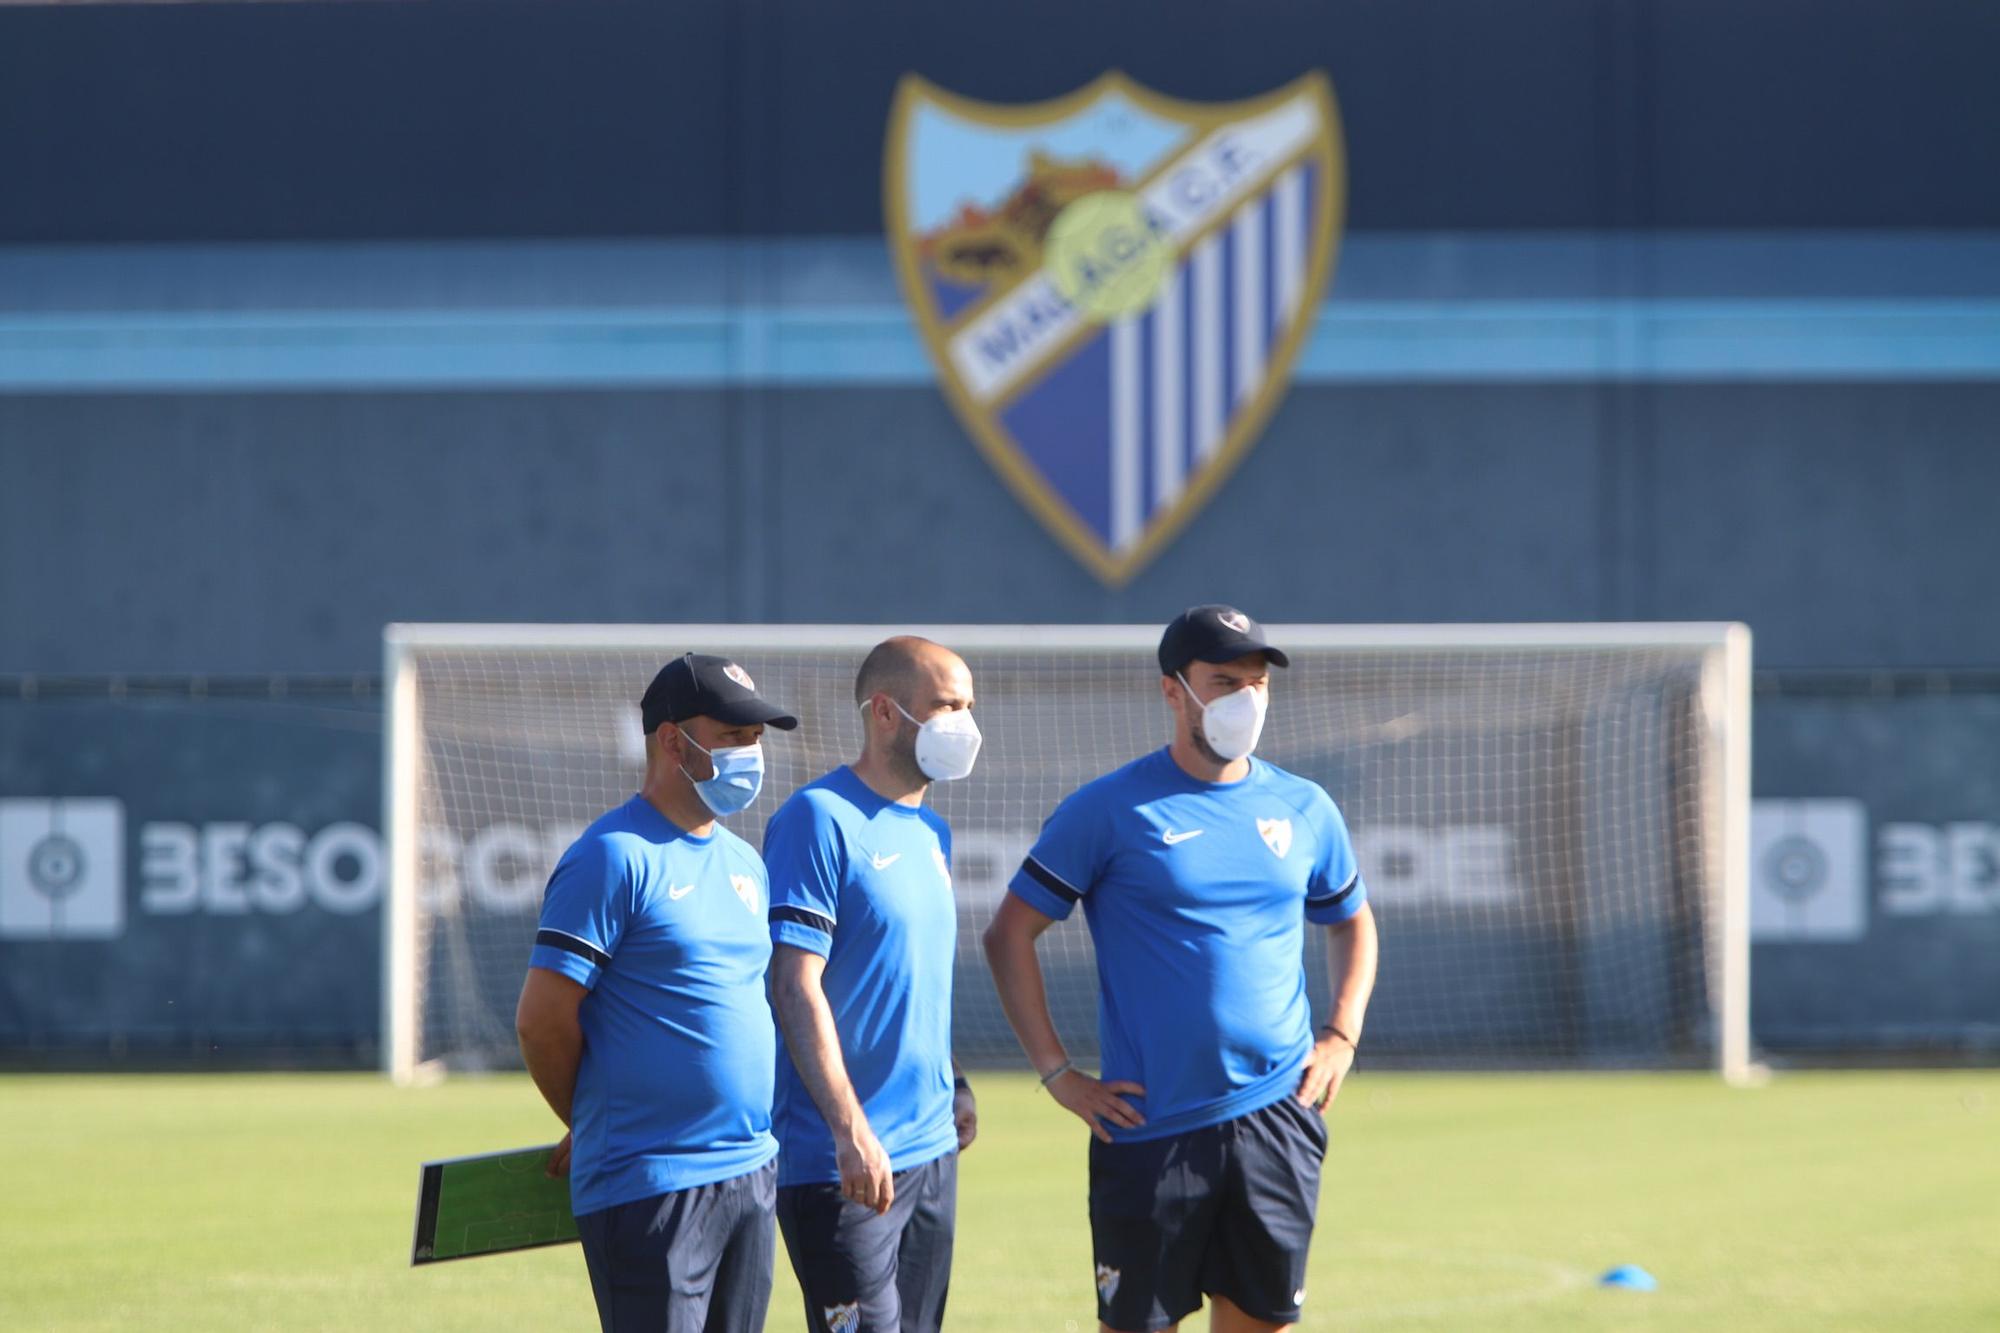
{"x": 1065, "y": 860}
{"x": 943, "y": 831}
{"x": 806, "y": 859}
{"x": 1335, "y": 891}
{"x": 584, "y": 911}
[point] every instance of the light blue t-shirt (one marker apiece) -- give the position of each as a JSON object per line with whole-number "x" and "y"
{"x": 667, "y": 930}
{"x": 1197, "y": 894}
{"x": 866, "y": 884}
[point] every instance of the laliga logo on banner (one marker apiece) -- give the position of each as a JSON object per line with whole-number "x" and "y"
{"x": 62, "y": 869}
{"x": 1114, "y": 286}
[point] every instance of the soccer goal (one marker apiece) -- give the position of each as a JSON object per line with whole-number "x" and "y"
{"x": 1552, "y": 820}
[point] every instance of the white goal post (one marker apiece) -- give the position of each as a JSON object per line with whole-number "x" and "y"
{"x": 1552, "y": 818}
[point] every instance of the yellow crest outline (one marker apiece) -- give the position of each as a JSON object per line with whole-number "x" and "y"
{"x": 1112, "y": 567}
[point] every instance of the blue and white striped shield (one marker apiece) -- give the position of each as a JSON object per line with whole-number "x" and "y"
{"x": 1114, "y": 286}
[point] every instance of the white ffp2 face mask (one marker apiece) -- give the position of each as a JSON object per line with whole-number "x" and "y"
{"x": 947, "y": 743}
{"x": 1233, "y": 722}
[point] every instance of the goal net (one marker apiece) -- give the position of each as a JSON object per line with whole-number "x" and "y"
{"x": 1551, "y": 819}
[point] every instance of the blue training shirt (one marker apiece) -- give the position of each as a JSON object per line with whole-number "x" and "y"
{"x": 667, "y": 930}
{"x": 1197, "y": 894}
{"x": 866, "y": 884}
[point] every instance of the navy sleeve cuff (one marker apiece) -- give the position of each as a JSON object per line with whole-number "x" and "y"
{"x": 802, "y": 929}
{"x": 1050, "y": 880}
{"x": 1333, "y": 908}
{"x": 1034, "y": 895}
{"x": 568, "y": 943}
{"x": 563, "y": 963}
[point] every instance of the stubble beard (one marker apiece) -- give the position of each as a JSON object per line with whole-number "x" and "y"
{"x": 1203, "y": 748}
{"x": 904, "y": 757}
{"x": 1190, "y": 710}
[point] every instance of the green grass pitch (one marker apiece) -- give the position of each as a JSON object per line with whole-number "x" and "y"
{"x": 1823, "y": 1201}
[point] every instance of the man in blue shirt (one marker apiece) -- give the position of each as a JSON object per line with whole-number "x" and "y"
{"x": 644, "y": 1021}
{"x": 1198, "y": 867}
{"x": 871, "y": 1112}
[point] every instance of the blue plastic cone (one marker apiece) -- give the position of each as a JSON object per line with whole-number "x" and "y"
{"x": 1630, "y": 1277}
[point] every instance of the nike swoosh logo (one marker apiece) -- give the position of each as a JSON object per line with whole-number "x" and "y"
{"x": 1173, "y": 837}
{"x": 884, "y": 862}
{"x": 680, "y": 893}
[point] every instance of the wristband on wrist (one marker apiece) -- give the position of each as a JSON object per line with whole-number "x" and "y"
{"x": 960, "y": 1083}
{"x": 1057, "y": 1072}
{"x": 1334, "y": 1028}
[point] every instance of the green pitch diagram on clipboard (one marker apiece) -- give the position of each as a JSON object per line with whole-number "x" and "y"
{"x": 469, "y": 1206}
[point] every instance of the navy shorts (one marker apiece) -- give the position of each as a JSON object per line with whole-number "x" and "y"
{"x": 864, "y": 1273}
{"x": 1226, "y": 1210}
{"x": 696, "y": 1260}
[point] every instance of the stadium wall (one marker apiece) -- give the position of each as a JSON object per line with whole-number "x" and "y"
{"x": 1851, "y": 525}
{"x": 1656, "y": 309}
{"x": 227, "y": 912}
{"x": 615, "y": 118}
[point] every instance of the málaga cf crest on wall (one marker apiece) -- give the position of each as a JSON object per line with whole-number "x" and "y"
{"x": 1114, "y": 286}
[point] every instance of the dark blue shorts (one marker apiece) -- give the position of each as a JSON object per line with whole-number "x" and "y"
{"x": 1226, "y": 1210}
{"x": 691, "y": 1261}
{"x": 864, "y": 1273}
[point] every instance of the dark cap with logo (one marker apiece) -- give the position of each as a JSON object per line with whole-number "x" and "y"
{"x": 698, "y": 685}
{"x": 1213, "y": 633}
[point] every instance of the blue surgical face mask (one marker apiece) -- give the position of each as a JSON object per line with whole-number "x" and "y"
{"x": 739, "y": 774}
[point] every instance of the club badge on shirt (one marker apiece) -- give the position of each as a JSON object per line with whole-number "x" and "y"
{"x": 746, "y": 889}
{"x": 1277, "y": 835}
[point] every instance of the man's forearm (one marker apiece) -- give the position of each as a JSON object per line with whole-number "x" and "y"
{"x": 552, "y": 1057}
{"x": 806, "y": 1020}
{"x": 1024, "y": 998}
{"x": 1351, "y": 951}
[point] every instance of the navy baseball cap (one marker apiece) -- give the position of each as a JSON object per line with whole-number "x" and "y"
{"x": 1213, "y": 633}
{"x": 699, "y": 685}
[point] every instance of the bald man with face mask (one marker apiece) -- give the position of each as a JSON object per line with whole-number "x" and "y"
{"x": 871, "y": 1110}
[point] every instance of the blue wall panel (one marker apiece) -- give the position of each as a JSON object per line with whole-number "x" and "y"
{"x": 623, "y": 117}
{"x": 1849, "y": 525}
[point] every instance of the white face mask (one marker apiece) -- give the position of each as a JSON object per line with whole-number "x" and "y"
{"x": 947, "y": 744}
{"x": 1233, "y": 722}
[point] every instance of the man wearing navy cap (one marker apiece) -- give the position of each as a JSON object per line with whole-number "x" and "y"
{"x": 645, "y": 1025}
{"x": 1198, "y": 867}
